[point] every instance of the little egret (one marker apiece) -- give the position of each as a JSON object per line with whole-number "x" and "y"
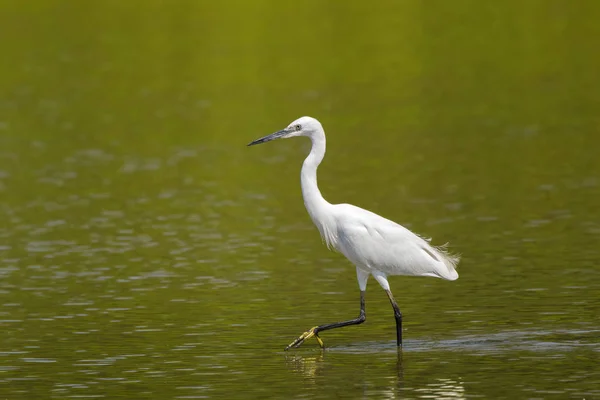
{"x": 375, "y": 245}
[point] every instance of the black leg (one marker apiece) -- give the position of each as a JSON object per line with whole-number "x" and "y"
{"x": 315, "y": 331}
{"x": 398, "y": 317}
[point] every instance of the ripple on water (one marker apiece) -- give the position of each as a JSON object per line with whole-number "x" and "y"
{"x": 501, "y": 342}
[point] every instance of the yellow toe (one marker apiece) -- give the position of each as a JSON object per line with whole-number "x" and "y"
{"x": 320, "y": 341}
{"x": 306, "y": 335}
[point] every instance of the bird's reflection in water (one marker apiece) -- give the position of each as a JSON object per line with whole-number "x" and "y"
{"x": 307, "y": 366}
{"x": 322, "y": 367}
{"x": 381, "y": 376}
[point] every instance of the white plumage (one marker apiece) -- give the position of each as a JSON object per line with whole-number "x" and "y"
{"x": 375, "y": 245}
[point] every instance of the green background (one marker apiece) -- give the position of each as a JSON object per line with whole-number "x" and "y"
{"x": 145, "y": 252}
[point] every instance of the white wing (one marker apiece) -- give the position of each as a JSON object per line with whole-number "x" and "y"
{"x": 377, "y": 243}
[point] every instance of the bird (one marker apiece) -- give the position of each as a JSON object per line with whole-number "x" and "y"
{"x": 376, "y": 246}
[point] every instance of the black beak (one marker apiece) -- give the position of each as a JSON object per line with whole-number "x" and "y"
{"x": 270, "y": 137}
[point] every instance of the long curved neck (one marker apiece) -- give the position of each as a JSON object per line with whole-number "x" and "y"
{"x": 313, "y": 200}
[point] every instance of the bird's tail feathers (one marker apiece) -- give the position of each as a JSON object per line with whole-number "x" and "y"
{"x": 450, "y": 260}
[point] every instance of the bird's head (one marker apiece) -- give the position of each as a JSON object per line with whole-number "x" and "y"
{"x": 303, "y": 126}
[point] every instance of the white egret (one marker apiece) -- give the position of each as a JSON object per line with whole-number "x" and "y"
{"x": 375, "y": 245}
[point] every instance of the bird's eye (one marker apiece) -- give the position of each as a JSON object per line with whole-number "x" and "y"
{"x": 298, "y": 127}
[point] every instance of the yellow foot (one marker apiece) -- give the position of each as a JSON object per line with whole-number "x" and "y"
{"x": 306, "y": 335}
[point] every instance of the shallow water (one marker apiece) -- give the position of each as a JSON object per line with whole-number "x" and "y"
{"x": 145, "y": 252}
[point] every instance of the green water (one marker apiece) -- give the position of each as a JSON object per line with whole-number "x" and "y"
{"x": 145, "y": 252}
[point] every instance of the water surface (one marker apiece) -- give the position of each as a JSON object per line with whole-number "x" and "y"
{"x": 145, "y": 252}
